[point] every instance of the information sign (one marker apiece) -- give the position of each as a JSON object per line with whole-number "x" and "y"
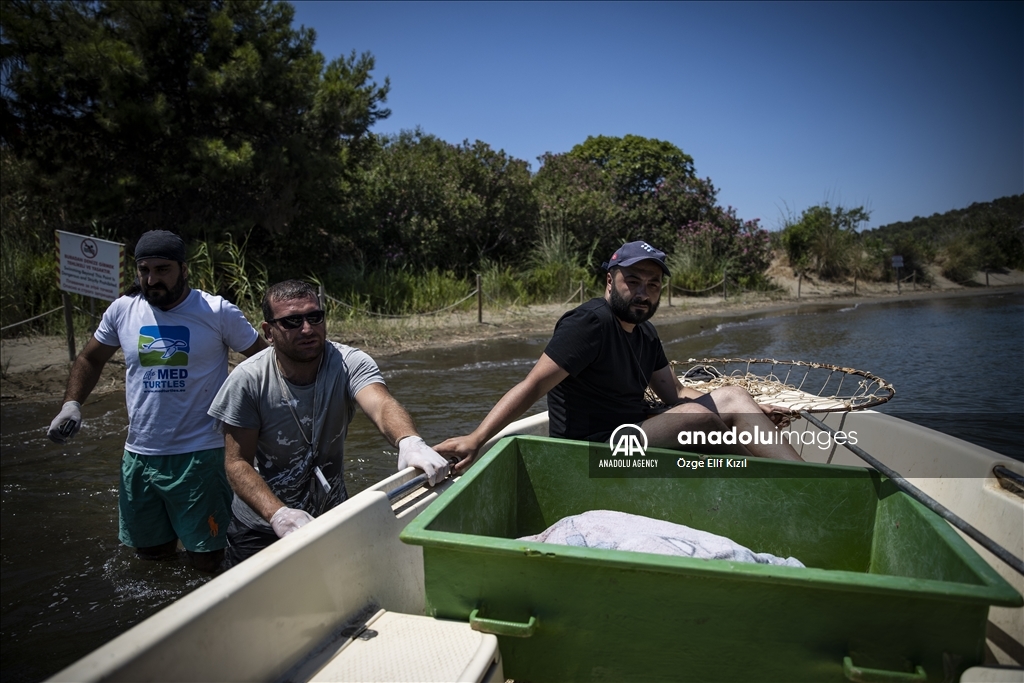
{"x": 897, "y": 261}
{"x": 90, "y": 266}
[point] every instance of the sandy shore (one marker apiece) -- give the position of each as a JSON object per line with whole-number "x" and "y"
{"x": 36, "y": 368}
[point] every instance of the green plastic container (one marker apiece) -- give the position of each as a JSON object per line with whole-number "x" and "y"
{"x": 890, "y": 592}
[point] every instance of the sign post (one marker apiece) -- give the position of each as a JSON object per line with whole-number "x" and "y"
{"x": 897, "y": 263}
{"x": 88, "y": 266}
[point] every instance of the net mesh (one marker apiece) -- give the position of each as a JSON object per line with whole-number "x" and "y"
{"x": 793, "y": 384}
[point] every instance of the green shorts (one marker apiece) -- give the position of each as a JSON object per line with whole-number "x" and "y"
{"x": 164, "y": 497}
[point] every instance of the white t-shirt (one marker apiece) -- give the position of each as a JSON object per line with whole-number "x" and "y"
{"x": 176, "y": 361}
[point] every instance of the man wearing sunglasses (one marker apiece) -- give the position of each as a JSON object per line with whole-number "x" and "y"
{"x": 175, "y": 341}
{"x": 286, "y": 412}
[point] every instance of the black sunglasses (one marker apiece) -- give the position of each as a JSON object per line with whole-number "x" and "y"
{"x": 294, "y": 322}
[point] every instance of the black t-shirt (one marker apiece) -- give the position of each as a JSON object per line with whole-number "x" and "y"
{"x": 609, "y": 370}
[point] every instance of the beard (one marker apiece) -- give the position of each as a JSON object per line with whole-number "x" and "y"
{"x": 160, "y": 296}
{"x": 300, "y": 350}
{"x": 621, "y": 308}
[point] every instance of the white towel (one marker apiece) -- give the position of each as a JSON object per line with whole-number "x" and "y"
{"x": 622, "y": 531}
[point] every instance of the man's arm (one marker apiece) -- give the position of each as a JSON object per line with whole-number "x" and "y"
{"x": 256, "y": 347}
{"x": 86, "y": 370}
{"x": 545, "y": 376}
{"x": 395, "y": 423}
{"x": 84, "y": 374}
{"x": 239, "y": 455}
{"x": 246, "y": 482}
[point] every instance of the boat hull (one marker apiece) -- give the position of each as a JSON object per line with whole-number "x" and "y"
{"x": 264, "y": 618}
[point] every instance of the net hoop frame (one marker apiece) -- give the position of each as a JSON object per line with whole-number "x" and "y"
{"x": 871, "y": 391}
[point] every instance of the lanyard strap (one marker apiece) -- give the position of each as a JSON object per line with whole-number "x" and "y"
{"x": 290, "y": 400}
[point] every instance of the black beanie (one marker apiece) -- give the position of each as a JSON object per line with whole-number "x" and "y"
{"x": 160, "y": 244}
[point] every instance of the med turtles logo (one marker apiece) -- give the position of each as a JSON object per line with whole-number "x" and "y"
{"x": 628, "y": 440}
{"x": 163, "y": 345}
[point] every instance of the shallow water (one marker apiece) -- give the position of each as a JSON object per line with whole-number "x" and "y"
{"x": 68, "y": 586}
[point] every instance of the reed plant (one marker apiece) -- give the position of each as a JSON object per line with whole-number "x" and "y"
{"x": 695, "y": 266}
{"x": 396, "y": 291}
{"x": 503, "y": 285}
{"x": 28, "y": 260}
{"x": 30, "y": 286}
{"x": 557, "y": 264}
{"x": 224, "y": 268}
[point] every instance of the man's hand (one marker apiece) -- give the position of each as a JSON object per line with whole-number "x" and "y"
{"x": 780, "y": 417}
{"x": 286, "y": 520}
{"x": 461, "y": 447}
{"x": 414, "y": 452}
{"x": 67, "y": 423}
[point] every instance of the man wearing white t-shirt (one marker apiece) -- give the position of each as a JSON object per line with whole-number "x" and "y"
{"x": 175, "y": 342}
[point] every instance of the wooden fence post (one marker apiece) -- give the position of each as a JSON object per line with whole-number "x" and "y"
{"x": 479, "y": 299}
{"x": 70, "y": 323}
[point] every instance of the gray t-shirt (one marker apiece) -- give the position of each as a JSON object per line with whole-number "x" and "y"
{"x": 256, "y": 396}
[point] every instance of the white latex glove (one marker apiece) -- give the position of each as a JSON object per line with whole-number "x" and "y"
{"x": 287, "y": 520}
{"x": 414, "y": 452}
{"x": 67, "y": 423}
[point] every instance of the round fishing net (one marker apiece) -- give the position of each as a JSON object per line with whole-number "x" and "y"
{"x": 793, "y": 384}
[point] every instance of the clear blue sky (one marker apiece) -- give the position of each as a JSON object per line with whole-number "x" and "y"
{"x": 906, "y": 109}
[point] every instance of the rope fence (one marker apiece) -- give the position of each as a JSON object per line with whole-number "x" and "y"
{"x": 28, "y": 320}
{"x": 675, "y": 289}
{"x": 578, "y": 292}
{"x": 43, "y": 315}
{"x": 404, "y": 315}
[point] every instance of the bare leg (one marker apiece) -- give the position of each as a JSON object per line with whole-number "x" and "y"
{"x": 663, "y": 430}
{"x": 721, "y": 410}
{"x": 738, "y": 409}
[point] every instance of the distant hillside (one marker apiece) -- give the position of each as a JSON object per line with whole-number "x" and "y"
{"x": 1003, "y": 210}
{"x": 983, "y": 235}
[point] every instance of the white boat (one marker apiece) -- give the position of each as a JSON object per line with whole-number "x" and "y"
{"x": 303, "y": 609}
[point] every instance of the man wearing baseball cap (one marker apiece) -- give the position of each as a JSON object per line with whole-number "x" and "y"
{"x": 175, "y": 341}
{"x": 602, "y": 357}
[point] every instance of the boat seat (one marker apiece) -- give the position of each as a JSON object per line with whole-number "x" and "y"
{"x": 391, "y": 646}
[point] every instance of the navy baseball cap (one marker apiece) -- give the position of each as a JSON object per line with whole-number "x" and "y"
{"x": 634, "y": 252}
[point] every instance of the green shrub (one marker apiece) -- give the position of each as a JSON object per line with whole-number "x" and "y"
{"x": 503, "y": 284}
{"x": 695, "y": 267}
{"x": 960, "y": 258}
